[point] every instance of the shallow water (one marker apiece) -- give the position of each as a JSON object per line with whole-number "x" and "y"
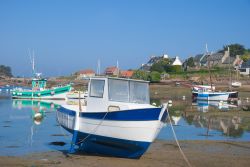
{"x": 29, "y": 126}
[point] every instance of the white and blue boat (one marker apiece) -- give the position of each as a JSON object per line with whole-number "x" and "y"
{"x": 117, "y": 119}
{"x": 208, "y": 95}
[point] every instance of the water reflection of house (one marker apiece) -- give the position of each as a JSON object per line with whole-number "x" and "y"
{"x": 176, "y": 119}
{"x": 230, "y": 126}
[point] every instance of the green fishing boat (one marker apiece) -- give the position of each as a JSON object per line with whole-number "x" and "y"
{"x": 39, "y": 91}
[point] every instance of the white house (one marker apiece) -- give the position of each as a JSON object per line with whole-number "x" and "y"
{"x": 177, "y": 62}
{"x": 245, "y": 68}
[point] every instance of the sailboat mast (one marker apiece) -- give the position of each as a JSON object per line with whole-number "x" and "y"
{"x": 210, "y": 77}
{"x": 230, "y": 70}
{"x": 210, "y": 72}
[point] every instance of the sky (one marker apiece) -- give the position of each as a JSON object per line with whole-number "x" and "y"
{"x": 71, "y": 35}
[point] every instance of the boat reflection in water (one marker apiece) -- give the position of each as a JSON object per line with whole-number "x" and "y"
{"x": 205, "y": 106}
{"x": 38, "y": 108}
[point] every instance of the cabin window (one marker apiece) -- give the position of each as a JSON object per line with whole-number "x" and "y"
{"x": 97, "y": 88}
{"x": 128, "y": 91}
{"x": 139, "y": 92}
{"x": 118, "y": 90}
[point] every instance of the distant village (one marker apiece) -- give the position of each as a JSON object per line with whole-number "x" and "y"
{"x": 165, "y": 65}
{"x": 161, "y": 67}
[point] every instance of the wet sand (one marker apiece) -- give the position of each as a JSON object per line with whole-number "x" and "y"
{"x": 161, "y": 153}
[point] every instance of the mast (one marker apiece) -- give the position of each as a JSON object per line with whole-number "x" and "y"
{"x": 208, "y": 59}
{"x": 230, "y": 70}
{"x": 210, "y": 77}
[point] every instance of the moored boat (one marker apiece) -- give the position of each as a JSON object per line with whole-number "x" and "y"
{"x": 117, "y": 120}
{"x": 209, "y": 95}
{"x": 236, "y": 84}
{"x": 39, "y": 91}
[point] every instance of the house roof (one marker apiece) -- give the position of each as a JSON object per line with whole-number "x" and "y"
{"x": 111, "y": 69}
{"x": 216, "y": 56}
{"x": 127, "y": 74}
{"x": 177, "y": 61}
{"x": 88, "y": 71}
{"x": 154, "y": 59}
{"x": 198, "y": 57}
{"x": 245, "y": 64}
{"x": 212, "y": 57}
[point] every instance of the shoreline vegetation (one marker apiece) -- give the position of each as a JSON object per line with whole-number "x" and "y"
{"x": 161, "y": 153}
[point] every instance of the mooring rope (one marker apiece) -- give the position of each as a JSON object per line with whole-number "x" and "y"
{"x": 177, "y": 142}
{"x": 94, "y": 130}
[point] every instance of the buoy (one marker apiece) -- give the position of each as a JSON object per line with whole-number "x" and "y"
{"x": 154, "y": 104}
{"x": 38, "y": 118}
{"x": 183, "y": 97}
{"x": 170, "y": 102}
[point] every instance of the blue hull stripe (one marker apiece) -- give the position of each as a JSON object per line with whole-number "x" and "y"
{"x": 148, "y": 114}
{"x": 67, "y": 111}
{"x": 95, "y": 144}
{"x": 210, "y": 95}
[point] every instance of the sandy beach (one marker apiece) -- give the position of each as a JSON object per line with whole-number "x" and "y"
{"x": 161, "y": 153}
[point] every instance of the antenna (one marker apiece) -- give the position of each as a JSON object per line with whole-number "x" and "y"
{"x": 206, "y": 48}
{"x": 117, "y": 66}
{"x": 32, "y": 59}
{"x": 98, "y": 67}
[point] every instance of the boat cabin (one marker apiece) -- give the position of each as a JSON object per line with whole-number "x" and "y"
{"x": 113, "y": 94}
{"x": 39, "y": 84}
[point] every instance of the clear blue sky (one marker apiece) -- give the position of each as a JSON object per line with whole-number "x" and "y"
{"x": 69, "y": 35}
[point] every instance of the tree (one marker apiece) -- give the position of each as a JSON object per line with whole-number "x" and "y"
{"x": 161, "y": 65}
{"x": 155, "y": 76}
{"x": 246, "y": 56}
{"x": 235, "y": 49}
{"x": 176, "y": 68}
{"x": 190, "y": 62}
{"x": 140, "y": 74}
{"x": 5, "y": 71}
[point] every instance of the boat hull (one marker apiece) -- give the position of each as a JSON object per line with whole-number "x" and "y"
{"x": 48, "y": 94}
{"x": 119, "y": 134}
{"x": 232, "y": 95}
{"x": 212, "y": 96}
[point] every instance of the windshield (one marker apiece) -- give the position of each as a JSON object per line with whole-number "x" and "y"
{"x": 128, "y": 91}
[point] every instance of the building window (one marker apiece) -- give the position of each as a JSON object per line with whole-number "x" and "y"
{"x": 243, "y": 70}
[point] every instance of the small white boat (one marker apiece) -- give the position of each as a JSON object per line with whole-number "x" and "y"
{"x": 208, "y": 95}
{"x": 117, "y": 120}
{"x": 236, "y": 84}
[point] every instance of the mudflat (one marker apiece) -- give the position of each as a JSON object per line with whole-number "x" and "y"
{"x": 161, "y": 153}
